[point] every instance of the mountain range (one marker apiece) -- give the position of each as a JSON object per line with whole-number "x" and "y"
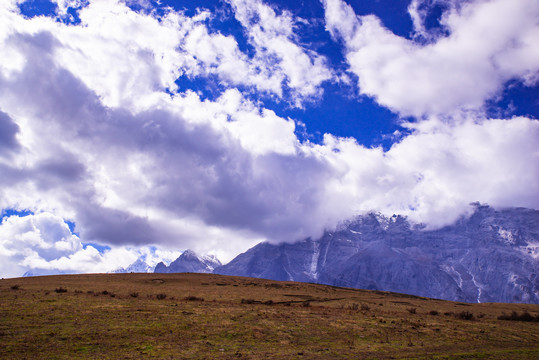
{"x": 490, "y": 256}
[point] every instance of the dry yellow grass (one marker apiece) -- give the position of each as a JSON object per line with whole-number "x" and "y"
{"x": 204, "y": 316}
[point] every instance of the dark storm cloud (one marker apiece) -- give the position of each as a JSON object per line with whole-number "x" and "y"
{"x": 194, "y": 170}
{"x": 8, "y": 133}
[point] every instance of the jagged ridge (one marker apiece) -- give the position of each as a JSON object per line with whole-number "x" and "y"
{"x": 189, "y": 261}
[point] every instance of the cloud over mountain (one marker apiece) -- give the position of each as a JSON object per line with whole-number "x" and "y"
{"x": 101, "y": 126}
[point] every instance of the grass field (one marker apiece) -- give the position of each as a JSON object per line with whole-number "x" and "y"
{"x": 204, "y": 316}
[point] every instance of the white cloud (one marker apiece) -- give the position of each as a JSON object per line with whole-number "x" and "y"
{"x": 125, "y": 56}
{"x": 43, "y": 244}
{"x": 122, "y": 55}
{"x": 64, "y": 5}
{"x": 421, "y": 10}
{"x": 489, "y": 43}
{"x": 433, "y": 174}
{"x": 216, "y": 54}
{"x": 25, "y": 240}
{"x": 277, "y": 49}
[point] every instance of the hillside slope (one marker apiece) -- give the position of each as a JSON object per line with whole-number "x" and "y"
{"x": 208, "y": 316}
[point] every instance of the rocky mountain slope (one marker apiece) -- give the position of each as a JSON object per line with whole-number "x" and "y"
{"x": 189, "y": 261}
{"x": 139, "y": 266}
{"x": 491, "y": 256}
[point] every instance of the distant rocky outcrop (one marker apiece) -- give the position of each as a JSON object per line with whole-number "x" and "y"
{"x": 491, "y": 256}
{"x": 189, "y": 261}
{"x": 139, "y": 266}
{"x": 44, "y": 272}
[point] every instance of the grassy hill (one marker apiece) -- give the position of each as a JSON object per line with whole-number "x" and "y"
{"x": 205, "y": 316}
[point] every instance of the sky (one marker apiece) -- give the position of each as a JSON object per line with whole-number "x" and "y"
{"x": 141, "y": 128}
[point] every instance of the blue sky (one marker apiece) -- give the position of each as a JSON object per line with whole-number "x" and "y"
{"x": 138, "y": 128}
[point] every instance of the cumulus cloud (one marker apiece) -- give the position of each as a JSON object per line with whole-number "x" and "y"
{"x": 433, "y": 174}
{"x": 94, "y": 130}
{"x": 178, "y": 158}
{"x": 488, "y": 44}
{"x": 277, "y": 49}
{"x": 43, "y": 244}
{"x": 219, "y": 55}
{"x": 126, "y": 56}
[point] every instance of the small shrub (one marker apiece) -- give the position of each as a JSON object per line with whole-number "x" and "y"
{"x": 106, "y": 292}
{"x": 134, "y": 294}
{"x": 449, "y": 313}
{"x": 465, "y": 315}
{"x": 306, "y": 304}
{"x": 161, "y": 296}
{"x": 78, "y": 291}
{"x": 412, "y": 310}
{"x": 193, "y": 298}
{"x": 514, "y": 316}
{"x": 525, "y": 316}
{"x": 354, "y": 306}
{"x": 275, "y": 286}
{"x": 247, "y": 301}
{"x": 365, "y": 307}
{"x": 60, "y": 290}
{"x": 434, "y": 312}
{"x": 15, "y": 287}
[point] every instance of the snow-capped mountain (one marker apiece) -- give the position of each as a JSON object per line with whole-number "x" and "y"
{"x": 44, "y": 272}
{"x": 491, "y": 256}
{"x": 139, "y": 266}
{"x": 189, "y": 261}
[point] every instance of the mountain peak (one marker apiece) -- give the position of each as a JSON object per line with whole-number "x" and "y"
{"x": 190, "y": 261}
{"x": 139, "y": 266}
{"x": 189, "y": 253}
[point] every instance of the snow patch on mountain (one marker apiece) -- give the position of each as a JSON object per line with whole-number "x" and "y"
{"x": 532, "y": 249}
{"x": 314, "y": 261}
{"x": 479, "y": 288}
{"x": 507, "y": 236}
{"x": 453, "y": 273}
{"x": 382, "y": 220}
